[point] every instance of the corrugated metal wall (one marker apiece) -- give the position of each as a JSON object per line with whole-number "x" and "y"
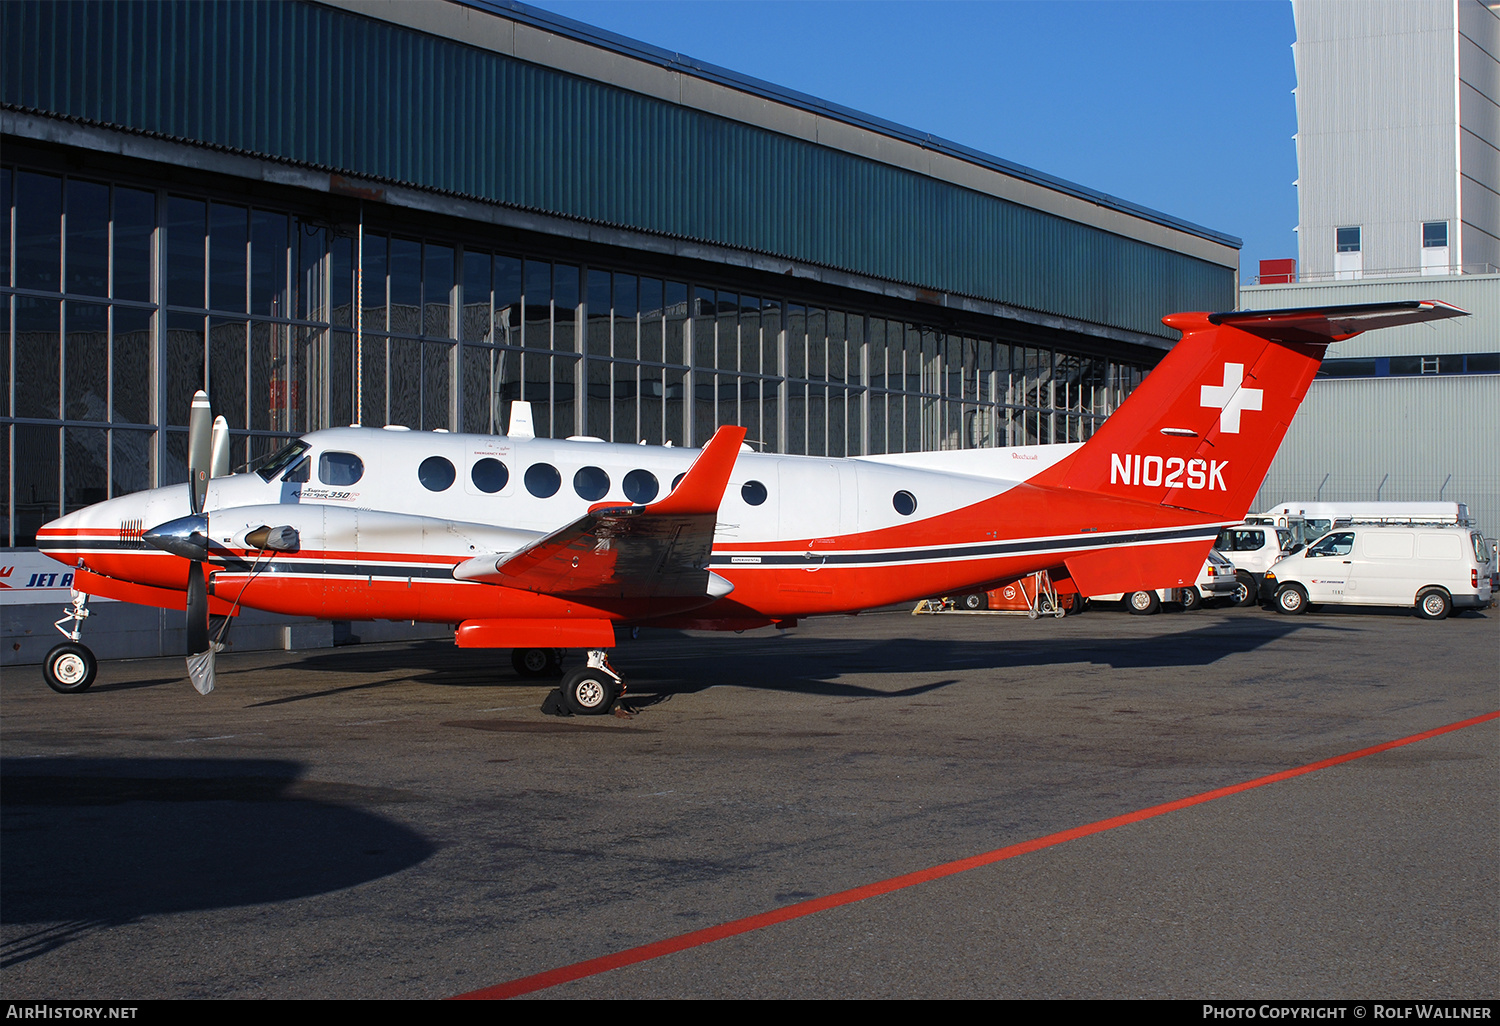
{"x": 1422, "y": 438}
{"x": 320, "y": 87}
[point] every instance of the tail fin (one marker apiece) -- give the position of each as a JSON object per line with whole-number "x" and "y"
{"x": 1200, "y": 432}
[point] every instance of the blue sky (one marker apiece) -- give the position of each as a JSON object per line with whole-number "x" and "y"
{"x": 1184, "y": 106}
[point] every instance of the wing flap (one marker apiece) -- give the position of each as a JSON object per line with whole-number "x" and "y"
{"x": 655, "y": 551}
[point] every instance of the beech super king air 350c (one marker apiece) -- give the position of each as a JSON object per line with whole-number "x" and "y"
{"x": 538, "y": 545}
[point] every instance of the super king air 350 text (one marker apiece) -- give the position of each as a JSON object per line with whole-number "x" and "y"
{"x": 537, "y": 545}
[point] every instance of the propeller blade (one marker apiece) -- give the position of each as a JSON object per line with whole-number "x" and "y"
{"x": 200, "y": 647}
{"x": 219, "y": 458}
{"x": 200, "y": 448}
{"x": 197, "y": 611}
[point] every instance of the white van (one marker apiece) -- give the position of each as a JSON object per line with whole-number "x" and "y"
{"x": 1434, "y": 568}
{"x": 1311, "y": 520}
{"x": 1254, "y": 549}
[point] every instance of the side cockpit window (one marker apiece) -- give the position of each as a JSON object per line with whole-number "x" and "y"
{"x": 281, "y": 459}
{"x": 340, "y": 468}
{"x": 300, "y": 473}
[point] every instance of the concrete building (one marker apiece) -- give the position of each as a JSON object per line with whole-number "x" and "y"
{"x": 1399, "y": 199}
{"x": 1398, "y": 137}
{"x": 411, "y": 212}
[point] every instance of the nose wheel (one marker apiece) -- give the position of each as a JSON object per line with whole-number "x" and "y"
{"x": 70, "y": 667}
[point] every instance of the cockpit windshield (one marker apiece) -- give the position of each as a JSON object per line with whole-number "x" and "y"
{"x": 282, "y": 458}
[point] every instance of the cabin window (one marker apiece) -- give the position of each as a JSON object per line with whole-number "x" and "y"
{"x": 489, "y": 475}
{"x": 754, "y": 493}
{"x": 641, "y": 486}
{"x": 591, "y": 483}
{"x": 677, "y": 481}
{"x": 340, "y": 468}
{"x": 543, "y": 480}
{"x": 905, "y": 503}
{"x": 436, "y": 474}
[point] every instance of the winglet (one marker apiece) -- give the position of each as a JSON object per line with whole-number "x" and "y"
{"x": 702, "y": 488}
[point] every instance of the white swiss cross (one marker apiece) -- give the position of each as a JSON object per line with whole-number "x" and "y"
{"x": 1230, "y": 398}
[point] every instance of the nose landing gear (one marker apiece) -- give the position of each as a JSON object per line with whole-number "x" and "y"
{"x": 70, "y": 667}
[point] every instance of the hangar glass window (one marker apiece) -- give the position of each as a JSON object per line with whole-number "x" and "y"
{"x": 436, "y": 474}
{"x": 1434, "y": 234}
{"x": 543, "y": 480}
{"x": 1346, "y": 239}
{"x": 489, "y": 475}
{"x": 641, "y": 486}
{"x": 340, "y": 468}
{"x": 591, "y": 483}
{"x": 905, "y": 503}
{"x": 754, "y": 493}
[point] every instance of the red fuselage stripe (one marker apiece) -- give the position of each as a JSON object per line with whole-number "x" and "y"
{"x": 683, "y": 942}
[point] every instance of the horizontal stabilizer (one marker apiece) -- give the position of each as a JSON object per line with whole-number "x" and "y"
{"x": 1333, "y": 323}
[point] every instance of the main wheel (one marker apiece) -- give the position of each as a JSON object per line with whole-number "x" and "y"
{"x": 975, "y": 602}
{"x": 1142, "y": 603}
{"x": 590, "y": 692}
{"x": 70, "y": 668}
{"x": 1246, "y": 589}
{"x": 1432, "y": 604}
{"x": 1291, "y": 599}
{"x": 535, "y": 662}
{"x": 1191, "y": 599}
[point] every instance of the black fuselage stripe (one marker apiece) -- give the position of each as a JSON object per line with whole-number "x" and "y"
{"x": 939, "y": 554}
{"x": 428, "y": 571}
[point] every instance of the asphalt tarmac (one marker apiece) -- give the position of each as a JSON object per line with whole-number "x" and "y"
{"x": 401, "y": 821}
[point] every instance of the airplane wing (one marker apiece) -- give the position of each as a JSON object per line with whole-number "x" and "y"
{"x": 1334, "y": 323}
{"x": 612, "y": 551}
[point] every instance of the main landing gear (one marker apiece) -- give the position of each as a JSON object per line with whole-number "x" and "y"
{"x": 590, "y": 691}
{"x": 70, "y": 667}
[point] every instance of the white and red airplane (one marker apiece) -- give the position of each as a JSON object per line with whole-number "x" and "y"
{"x": 539, "y": 545}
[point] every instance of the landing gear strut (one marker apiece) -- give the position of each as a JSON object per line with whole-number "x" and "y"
{"x": 593, "y": 690}
{"x": 70, "y": 667}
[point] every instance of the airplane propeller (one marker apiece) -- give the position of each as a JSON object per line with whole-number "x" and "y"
{"x": 188, "y": 536}
{"x": 200, "y": 648}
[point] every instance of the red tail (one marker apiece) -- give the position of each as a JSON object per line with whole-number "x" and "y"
{"x": 1200, "y": 433}
{"x": 1196, "y": 439}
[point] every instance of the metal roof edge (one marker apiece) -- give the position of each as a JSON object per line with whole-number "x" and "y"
{"x": 647, "y": 52}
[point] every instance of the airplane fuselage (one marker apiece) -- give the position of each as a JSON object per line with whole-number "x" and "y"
{"x": 383, "y": 517}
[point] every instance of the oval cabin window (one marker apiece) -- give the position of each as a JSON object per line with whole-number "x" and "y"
{"x": 436, "y": 474}
{"x": 489, "y": 475}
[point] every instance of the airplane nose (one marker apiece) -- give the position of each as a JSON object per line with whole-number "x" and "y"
{"x": 186, "y": 537}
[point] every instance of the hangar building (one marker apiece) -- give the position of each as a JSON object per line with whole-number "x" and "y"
{"x": 415, "y": 213}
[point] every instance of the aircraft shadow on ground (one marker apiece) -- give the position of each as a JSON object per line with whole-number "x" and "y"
{"x": 661, "y": 662}
{"x": 91, "y": 843}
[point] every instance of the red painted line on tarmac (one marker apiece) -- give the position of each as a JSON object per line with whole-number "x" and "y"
{"x": 682, "y": 942}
